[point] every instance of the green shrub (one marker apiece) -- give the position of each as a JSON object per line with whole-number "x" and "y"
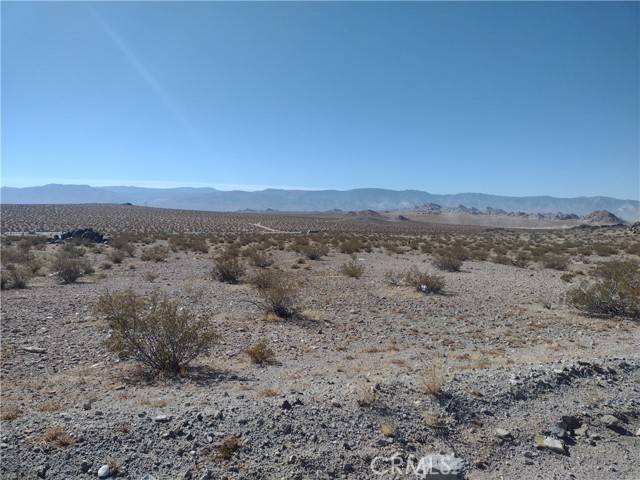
{"x": 156, "y": 330}
{"x": 615, "y": 291}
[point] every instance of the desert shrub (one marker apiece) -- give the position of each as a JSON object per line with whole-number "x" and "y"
{"x": 67, "y": 267}
{"x": 614, "y": 292}
{"x": 315, "y": 251}
{"x": 479, "y": 254}
{"x": 228, "y": 269}
{"x": 521, "y": 260}
{"x": 351, "y": 246}
{"x": 352, "y": 268}
{"x": 567, "y": 277}
{"x": 277, "y": 292}
{"x": 123, "y": 244}
{"x": 394, "y": 278}
{"x": 633, "y": 249}
{"x": 447, "y": 262}
{"x": 194, "y": 243}
{"x": 604, "y": 250}
{"x": 15, "y": 277}
{"x": 260, "y": 352}
{"x": 228, "y": 447}
{"x": 156, "y": 330}
{"x": 555, "y": 261}
{"x": 106, "y": 265}
{"x": 502, "y": 259}
{"x": 423, "y": 281}
{"x": 116, "y": 256}
{"x": 154, "y": 253}
{"x": 259, "y": 258}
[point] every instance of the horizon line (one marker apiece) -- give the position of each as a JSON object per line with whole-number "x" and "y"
{"x": 252, "y": 188}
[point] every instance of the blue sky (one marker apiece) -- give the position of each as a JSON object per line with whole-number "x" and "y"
{"x": 503, "y": 98}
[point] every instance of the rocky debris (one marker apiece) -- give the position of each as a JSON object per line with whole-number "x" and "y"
{"x": 635, "y": 228}
{"x": 549, "y": 443}
{"x": 503, "y": 434}
{"x": 84, "y": 234}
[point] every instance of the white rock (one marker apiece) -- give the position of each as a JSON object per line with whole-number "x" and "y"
{"x": 502, "y": 433}
{"x": 104, "y": 471}
{"x": 549, "y": 443}
{"x": 162, "y": 418}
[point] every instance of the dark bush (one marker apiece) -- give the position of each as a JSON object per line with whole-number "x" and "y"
{"x": 424, "y": 282}
{"x": 228, "y": 269}
{"x": 278, "y": 293}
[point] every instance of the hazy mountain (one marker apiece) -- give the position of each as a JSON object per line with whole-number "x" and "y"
{"x": 310, "y": 200}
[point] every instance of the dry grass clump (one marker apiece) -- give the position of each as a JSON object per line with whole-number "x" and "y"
{"x": 260, "y": 352}
{"x": 366, "y": 396}
{"x": 387, "y": 428}
{"x": 352, "y": 268}
{"x": 229, "y": 447}
{"x": 57, "y": 434}
{"x": 228, "y": 269}
{"x": 9, "y": 413}
{"x": 423, "y": 281}
{"x": 615, "y": 291}
{"x": 433, "y": 380}
{"x": 155, "y": 253}
{"x": 277, "y": 291}
{"x": 155, "y": 330}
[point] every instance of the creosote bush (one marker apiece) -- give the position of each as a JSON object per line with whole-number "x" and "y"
{"x": 277, "y": 291}
{"x": 424, "y": 282}
{"x": 352, "y": 268}
{"x": 68, "y": 268}
{"x": 447, "y": 261}
{"x": 155, "y": 253}
{"x": 228, "y": 269}
{"x": 315, "y": 251}
{"x": 155, "y": 330}
{"x": 615, "y": 291}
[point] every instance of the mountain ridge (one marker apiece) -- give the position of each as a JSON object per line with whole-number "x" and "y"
{"x": 211, "y": 199}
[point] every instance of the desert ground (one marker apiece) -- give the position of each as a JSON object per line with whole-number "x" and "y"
{"x": 397, "y": 341}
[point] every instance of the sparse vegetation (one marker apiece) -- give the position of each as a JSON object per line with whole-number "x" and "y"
{"x": 447, "y": 261}
{"x": 353, "y": 268}
{"x": 156, "y": 330}
{"x": 260, "y": 352}
{"x": 424, "y": 282}
{"x": 155, "y": 253}
{"x": 278, "y": 293}
{"x": 229, "y": 447}
{"x": 228, "y": 269}
{"x": 615, "y": 290}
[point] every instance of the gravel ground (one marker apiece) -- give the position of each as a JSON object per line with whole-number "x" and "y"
{"x": 346, "y": 390}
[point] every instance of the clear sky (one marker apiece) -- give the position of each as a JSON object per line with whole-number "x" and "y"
{"x": 503, "y": 98}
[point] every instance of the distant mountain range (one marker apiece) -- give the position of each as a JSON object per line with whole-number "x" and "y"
{"x": 310, "y": 200}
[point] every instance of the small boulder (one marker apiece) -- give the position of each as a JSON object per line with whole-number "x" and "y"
{"x": 104, "y": 471}
{"x": 549, "y": 443}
